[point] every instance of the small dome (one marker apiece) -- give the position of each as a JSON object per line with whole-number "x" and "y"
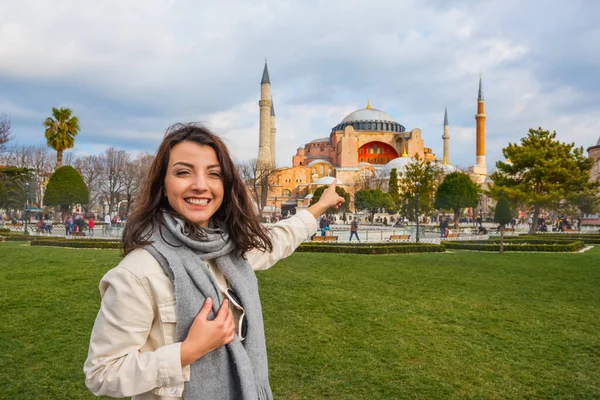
{"x": 321, "y": 140}
{"x": 309, "y": 196}
{"x": 448, "y": 168}
{"x": 327, "y": 180}
{"x": 399, "y": 163}
{"x": 319, "y": 161}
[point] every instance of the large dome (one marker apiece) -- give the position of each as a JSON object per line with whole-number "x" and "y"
{"x": 370, "y": 119}
{"x": 368, "y": 114}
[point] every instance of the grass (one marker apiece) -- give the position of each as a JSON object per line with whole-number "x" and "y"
{"x": 424, "y": 326}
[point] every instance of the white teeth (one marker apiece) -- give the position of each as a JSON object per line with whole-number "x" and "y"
{"x": 199, "y": 202}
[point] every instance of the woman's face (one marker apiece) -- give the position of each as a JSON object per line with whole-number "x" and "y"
{"x": 193, "y": 183}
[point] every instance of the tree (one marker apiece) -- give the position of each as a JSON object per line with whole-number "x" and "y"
{"x": 65, "y": 188}
{"x": 12, "y": 187}
{"x": 61, "y": 131}
{"x": 544, "y": 173}
{"x": 372, "y": 200}
{"x": 428, "y": 176}
{"x": 502, "y": 215}
{"x": 114, "y": 163}
{"x": 456, "y": 192}
{"x": 340, "y": 191}
{"x": 5, "y": 131}
{"x": 134, "y": 176}
{"x": 256, "y": 178}
{"x": 91, "y": 170}
{"x": 394, "y": 190}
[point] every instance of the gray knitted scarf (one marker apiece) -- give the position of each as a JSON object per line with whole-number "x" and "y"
{"x": 237, "y": 370}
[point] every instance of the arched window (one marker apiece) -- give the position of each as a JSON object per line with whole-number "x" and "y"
{"x": 321, "y": 169}
{"x": 287, "y": 193}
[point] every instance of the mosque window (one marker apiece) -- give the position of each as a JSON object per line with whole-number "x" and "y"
{"x": 381, "y": 160}
{"x": 321, "y": 169}
{"x": 368, "y": 160}
{"x": 300, "y": 162}
{"x": 388, "y": 159}
{"x": 314, "y": 170}
{"x": 322, "y": 148}
{"x": 362, "y": 159}
{"x": 287, "y": 193}
{"x": 375, "y": 148}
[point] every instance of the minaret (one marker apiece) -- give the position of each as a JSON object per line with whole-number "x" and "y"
{"x": 264, "y": 141}
{"x": 480, "y": 129}
{"x": 273, "y": 133}
{"x": 446, "y": 138}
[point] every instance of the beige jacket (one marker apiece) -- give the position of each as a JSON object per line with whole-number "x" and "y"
{"x": 133, "y": 349}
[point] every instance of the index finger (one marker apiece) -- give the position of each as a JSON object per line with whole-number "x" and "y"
{"x": 223, "y": 310}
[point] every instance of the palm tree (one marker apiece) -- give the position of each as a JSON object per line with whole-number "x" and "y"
{"x": 61, "y": 131}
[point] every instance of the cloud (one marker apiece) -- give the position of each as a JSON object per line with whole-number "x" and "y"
{"x": 130, "y": 69}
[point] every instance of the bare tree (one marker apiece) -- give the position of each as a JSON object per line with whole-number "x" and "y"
{"x": 5, "y": 131}
{"x": 114, "y": 163}
{"x": 255, "y": 176}
{"x": 91, "y": 169}
{"x": 134, "y": 177}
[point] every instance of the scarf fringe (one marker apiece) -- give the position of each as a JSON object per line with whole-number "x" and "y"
{"x": 264, "y": 393}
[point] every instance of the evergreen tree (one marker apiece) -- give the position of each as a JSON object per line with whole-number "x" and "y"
{"x": 65, "y": 188}
{"x": 340, "y": 191}
{"x": 394, "y": 190}
{"x": 13, "y": 194}
{"x": 61, "y": 131}
{"x": 544, "y": 173}
{"x": 372, "y": 200}
{"x": 456, "y": 192}
{"x": 502, "y": 216}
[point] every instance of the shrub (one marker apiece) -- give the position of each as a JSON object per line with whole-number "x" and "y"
{"x": 79, "y": 244}
{"x": 368, "y": 248}
{"x": 4, "y": 230}
{"x": 484, "y": 246}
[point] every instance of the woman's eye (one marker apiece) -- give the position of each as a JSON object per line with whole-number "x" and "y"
{"x": 215, "y": 174}
{"x": 180, "y": 173}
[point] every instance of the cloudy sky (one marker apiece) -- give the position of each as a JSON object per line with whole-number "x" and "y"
{"x": 130, "y": 68}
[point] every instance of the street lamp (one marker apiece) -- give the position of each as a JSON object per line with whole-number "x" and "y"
{"x": 417, "y": 185}
{"x": 26, "y": 208}
{"x": 481, "y": 209}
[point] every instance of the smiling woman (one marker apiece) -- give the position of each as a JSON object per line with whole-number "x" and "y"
{"x": 181, "y": 315}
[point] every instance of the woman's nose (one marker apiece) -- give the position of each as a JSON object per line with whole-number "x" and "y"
{"x": 200, "y": 183}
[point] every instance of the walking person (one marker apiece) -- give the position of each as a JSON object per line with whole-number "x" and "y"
{"x": 181, "y": 314}
{"x": 91, "y": 225}
{"x": 354, "y": 229}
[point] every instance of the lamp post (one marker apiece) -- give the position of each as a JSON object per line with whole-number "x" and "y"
{"x": 417, "y": 185}
{"x": 26, "y": 208}
{"x": 481, "y": 209}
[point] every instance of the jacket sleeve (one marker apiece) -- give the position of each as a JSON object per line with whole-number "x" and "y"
{"x": 286, "y": 236}
{"x": 115, "y": 366}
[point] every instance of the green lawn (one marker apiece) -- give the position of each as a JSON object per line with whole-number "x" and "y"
{"x": 424, "y": 326}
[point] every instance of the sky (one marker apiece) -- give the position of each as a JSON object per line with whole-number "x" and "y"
{"x": 130, "y": 68}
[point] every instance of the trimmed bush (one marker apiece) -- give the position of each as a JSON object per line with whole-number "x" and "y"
{"x": 79, "y": 244}
{"x": 484, "y": 246}
{"x": 368, "y": 248}
{"x": 586, "y": 238}
{"x": 4, "y": 230}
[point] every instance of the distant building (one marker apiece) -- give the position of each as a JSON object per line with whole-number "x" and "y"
{"x": 367, "y": 143}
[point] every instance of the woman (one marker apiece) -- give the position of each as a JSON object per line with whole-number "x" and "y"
{"x": 180, "y": 314}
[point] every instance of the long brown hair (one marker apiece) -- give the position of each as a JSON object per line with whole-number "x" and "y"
{"x": 236, "y": 216}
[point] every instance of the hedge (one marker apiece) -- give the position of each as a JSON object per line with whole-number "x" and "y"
{"x": 586, "y": 238}
{"x": 79, "y": 244}
{"x": 481, "y": 246}
{"x": 367, "y": 248}
{"x": 4, "y": 230}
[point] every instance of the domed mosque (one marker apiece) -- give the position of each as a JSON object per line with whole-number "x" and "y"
{"x": 367, "y": 143}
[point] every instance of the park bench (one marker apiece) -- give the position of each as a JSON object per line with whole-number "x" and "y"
{"x": 80, "y": 234}
{"x": 324, "y": 239}
{"x": 394, "y": 238}
{"x": 508, "y": 230}
{"x": 453, "y": 235}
